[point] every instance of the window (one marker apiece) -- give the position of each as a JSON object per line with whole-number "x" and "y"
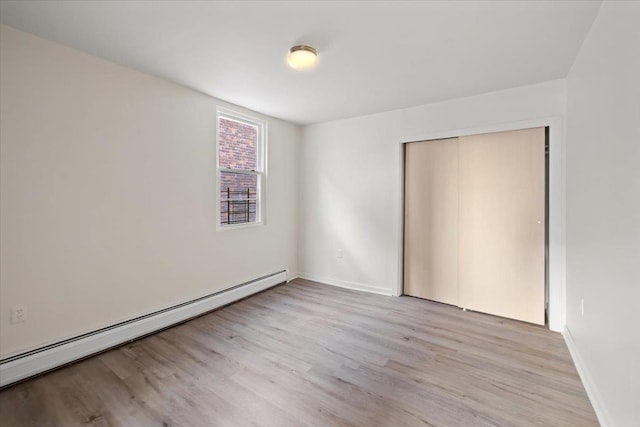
{"x": 241, "y": 169}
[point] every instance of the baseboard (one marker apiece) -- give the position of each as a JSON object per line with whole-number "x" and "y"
{"x": 347, "y": 285}
{"x": 587, "y": 380}
{"x": 34, "y": 362}
{"x": 291, "y": 276}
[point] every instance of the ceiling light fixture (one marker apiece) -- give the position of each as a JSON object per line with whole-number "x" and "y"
{"x": 302, "y": 57}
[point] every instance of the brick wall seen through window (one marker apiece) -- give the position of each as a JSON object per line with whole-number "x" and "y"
{"x": 237, "y": 150}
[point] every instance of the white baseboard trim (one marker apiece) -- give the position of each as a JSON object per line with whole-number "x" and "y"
{"x": 25, "y": 365}
{"x": 291, "y": 276}
{"x": 587, "y": 380}
{"x": 347, "y": 285}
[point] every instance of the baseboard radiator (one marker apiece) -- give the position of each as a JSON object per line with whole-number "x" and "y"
{"x": 34, "y": 362}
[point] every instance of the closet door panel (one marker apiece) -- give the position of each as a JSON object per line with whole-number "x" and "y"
{"x": 502, "y": 223}
{"x": 431, "y": 220}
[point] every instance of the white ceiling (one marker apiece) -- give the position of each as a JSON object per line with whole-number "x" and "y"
{"x": 373, "y": 56}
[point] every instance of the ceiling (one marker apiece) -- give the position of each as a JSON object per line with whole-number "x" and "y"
{"x": 373, "y": 56}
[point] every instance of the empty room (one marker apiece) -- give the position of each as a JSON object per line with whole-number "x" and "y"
{"x": 319, "y": 213}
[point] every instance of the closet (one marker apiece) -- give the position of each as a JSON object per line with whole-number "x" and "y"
{"x": 475, "y": 222}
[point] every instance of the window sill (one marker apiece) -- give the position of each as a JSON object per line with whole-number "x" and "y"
{"x": 221, "y": 227}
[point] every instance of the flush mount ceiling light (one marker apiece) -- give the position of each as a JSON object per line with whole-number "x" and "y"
{"x": 302, "y": 57}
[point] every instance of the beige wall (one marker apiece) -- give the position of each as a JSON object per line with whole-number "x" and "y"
{"x": 603, "y": 211}
{"x": 107, "y": 195}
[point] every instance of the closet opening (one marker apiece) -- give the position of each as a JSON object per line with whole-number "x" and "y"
{"x": 476, "y": 223}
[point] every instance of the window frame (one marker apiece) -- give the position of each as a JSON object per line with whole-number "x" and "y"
{"x": 260, "y": 172}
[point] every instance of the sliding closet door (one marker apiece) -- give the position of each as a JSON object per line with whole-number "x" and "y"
{"x": 502, "y": 224}
{"x": 431, "y": 220}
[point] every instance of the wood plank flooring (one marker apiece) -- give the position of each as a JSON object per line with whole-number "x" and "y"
{"x": 306, "y": 354}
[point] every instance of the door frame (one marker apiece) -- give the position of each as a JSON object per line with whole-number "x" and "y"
{"x": 556, "y": 199}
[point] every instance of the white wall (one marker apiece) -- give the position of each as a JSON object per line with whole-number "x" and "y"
{"x": 351, "y": 185}
{"x": 107, "y": 195}
{"x": 603, "y": 211}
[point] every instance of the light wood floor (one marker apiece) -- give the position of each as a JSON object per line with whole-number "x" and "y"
{"x": 309, "y": 354}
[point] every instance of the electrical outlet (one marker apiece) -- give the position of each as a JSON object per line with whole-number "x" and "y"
{"x": 582, "y": 306}
{"x": 339, "y": 253}
{"x": 18, "y": 314}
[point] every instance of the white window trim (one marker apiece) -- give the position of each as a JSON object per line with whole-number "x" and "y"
{"x": 260, "y": 172}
